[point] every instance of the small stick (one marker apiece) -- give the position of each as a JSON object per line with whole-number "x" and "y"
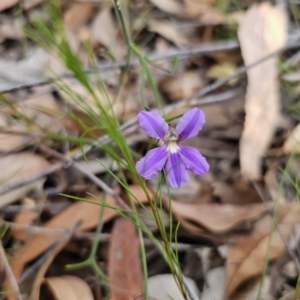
{"x": 30, "y": 179}
{"x": 180, "y": 54}
{"x": 100, "y": 183}
{"x": 9, "y": 273}
{"x": 88, "y": 236}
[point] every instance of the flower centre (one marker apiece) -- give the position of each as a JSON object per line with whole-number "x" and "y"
{"x": 171, "y": 139}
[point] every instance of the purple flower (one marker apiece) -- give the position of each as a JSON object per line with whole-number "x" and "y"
{"x": 174, "y": 158}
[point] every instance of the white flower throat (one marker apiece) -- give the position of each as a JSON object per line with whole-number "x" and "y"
{"x": 170, "y": 139}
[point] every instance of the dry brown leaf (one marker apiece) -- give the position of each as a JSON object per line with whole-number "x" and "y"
{"x": 108, "y": 36}
{"x": 247, "y": 253}
{"x": 215, "y": 282}
{"x": 124, "y": 265}
{"x": 263, "y": 31}
{"x": 204, "y": 12}
{"x": 121, "y": 107}
{"x": 272, "y": 183}
{"x": 23, "y": 71}
{"x": 11, "y": 28}
{"x": 14, "y": 141}
{"x": 24, "y": 217}
{"x": 182, "y": 85}
{"x": 73, "y": 123}
{"x": 292, "y": 143}
{"x": 87, "y": 213}
{"x": 29, "y": 4}
{"x": 43, "y": 110}
{"x": 164, "y": 287}
{"x": 170, "y": 6}
{"x": 238, "y": 192}
{"x": 222, "y": 70}
{"x": 167, "y": 30}
{"x": 77, "y": 15}
{"x": 17, "y": 167}
{"x": 4, "y": 4}
{"x": 69, "y": 288}
{"x": 218, "y": 218}
{"x": 35, "y": 291}
{"x": 139, "y": 193}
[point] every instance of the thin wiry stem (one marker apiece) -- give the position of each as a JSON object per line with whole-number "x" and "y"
{"x": 118, "y": 8}
{"x": 167, "y": 249}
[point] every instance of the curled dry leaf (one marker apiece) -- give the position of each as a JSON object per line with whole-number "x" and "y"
{"x": 247, "y": 253}
{"x": 17, "y": 167}
{"x": 43, "y": 110}
{"x": 263, "y": 31}
{"x": 170, "y": 6}
{"x": 69, "y": 287}
{"x": 215, "y": 283}
{"x": 167, "y": 30}
{"x": 11, "y": 28}
{"x": 124, "y": 263}
{"x": 14, "y": 140}
{"x": 24, "y": 217}
{"x": 182, "y": 85}
{"x": 26, "y": 70}
{"x": 204, "y": 12}
{"x": 109, "y": 36}
{"x": 292, "y": 143}
{"x": 218, "y": 218}
{"x": 222, "y": 70}
{"x": 78, "y": 15}
{"x": 164, "y": 287}
{"x": 238, "y": 192}
{"x": 120, "y": 106}
{"x": 35, "y": 291}
{"x": 5, "y": 4}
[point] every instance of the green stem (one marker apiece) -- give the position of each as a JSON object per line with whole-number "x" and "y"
{"x": 91, "y": 260}
{"x": 118, "y": 8}
{"x": 166, "y": 245}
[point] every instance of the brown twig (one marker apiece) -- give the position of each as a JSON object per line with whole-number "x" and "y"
{"x": 100, "y": 183}
{"x": 47, "y": 207}
{"x": 9, "y": 273}
{"x": 80, "y": 236}
{"x": 50, "y": 170}
{"x": 179, "y": 54}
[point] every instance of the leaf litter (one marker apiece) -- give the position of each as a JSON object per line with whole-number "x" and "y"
{"x": 234, "y": 226}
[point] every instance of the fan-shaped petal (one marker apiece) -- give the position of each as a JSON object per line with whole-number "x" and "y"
{"x": 193, "y": 160}
{"x": 153, "y": 124}
{"x": 177, "y": 174}
{"x": 152, "y": 163}
{"x": 190, "y": 123}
